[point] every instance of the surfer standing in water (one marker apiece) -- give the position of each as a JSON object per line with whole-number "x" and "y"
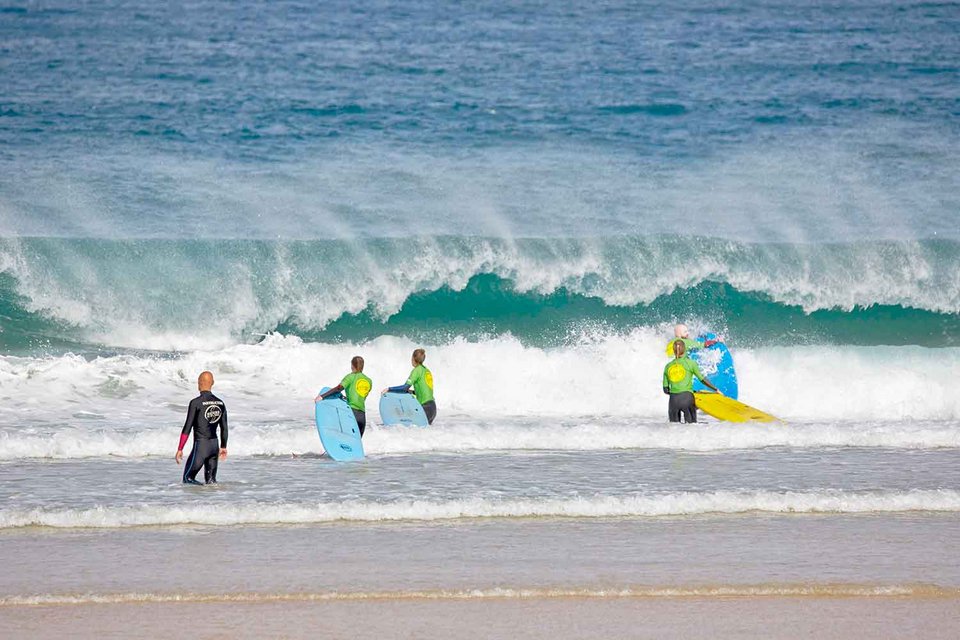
{"x": 681, "y": 332}
{"x": 357, "y": 386}
{"x": 678, "y": 384}
{"x": 205, "y": 413}
{"x": 422, "y": 382}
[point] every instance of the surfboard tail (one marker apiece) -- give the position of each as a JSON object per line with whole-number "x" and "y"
{"x": 725, "y": 408}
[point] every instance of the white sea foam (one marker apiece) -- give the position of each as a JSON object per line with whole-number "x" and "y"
{"x": 460, "y": 435}
{"x": 65, "y": 406}
{"x": 657, "y": 505}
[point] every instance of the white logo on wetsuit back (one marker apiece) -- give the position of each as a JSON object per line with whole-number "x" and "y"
{"x": 213, "y": 413}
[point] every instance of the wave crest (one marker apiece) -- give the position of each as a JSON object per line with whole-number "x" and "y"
{"x": 183, "y": 294}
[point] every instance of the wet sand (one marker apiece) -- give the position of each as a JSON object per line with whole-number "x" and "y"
{"x": 534, "y": 619}
{"x": 774, "y": 577}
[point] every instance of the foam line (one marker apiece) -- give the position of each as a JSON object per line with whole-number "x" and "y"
{"x": 647, "y": 506}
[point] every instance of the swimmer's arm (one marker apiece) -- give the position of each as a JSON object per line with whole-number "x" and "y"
{"x": 323, "y": 396}
{"x": 403, "y": 388}
{"x": 185, "y": 432}
{"x": 223, "y": 434}
{"x": 701, "y": 378}
{"x": 666, "y": 383}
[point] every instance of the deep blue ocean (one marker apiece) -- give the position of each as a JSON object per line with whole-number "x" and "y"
{"x": 438, "y": 169}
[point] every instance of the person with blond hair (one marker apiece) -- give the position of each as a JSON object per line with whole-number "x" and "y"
{"x": 357, "y": 387}
{"x": 420, "y": 381}
{"x": 678, "y": 378}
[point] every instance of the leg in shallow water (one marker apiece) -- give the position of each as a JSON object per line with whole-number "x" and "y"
{"x": 430, "y": 408}
{"x": 210, "y": 467}
{"x": 193, "y": 465}
{"x": 689, "y": 407}
{"x": 361, "y": 417}
{"x": 682, "y": 405}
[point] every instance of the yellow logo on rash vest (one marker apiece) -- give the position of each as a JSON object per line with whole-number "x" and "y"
{"x": 363, "y": 387}
{"x": 429, "y": 378}
{"x": 676, "y": 372}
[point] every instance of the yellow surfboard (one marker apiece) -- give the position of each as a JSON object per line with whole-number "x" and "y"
{"x": 723, "y": 408}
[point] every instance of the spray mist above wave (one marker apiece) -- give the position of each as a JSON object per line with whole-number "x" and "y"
{"x": 889, "y": 179}
{"x": 671, "y": 504}
{"x": 185, "y": 294}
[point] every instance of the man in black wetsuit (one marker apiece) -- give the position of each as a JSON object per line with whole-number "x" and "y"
{"x": 205, "y": 413}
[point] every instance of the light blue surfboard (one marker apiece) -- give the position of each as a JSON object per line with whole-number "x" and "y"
{"x": 716, "y": 364}
{"x": 402, "y": 408}
{"x": 338, "y": 429}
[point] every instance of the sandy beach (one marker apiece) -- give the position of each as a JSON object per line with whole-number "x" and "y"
{"x": 534, "y": 619}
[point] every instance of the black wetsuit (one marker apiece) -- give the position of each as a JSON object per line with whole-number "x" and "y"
{"x": 361, "y": 417}
{"x": 430, "y": 408}
{"x": 682, "y": 404}
{"x": 205, "y": 413}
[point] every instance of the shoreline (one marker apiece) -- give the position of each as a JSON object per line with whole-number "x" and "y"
{"x": 534, "y": 618}
{"x": 798, "y": 591}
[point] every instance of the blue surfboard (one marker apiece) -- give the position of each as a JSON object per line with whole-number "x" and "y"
{"x": 402, "y": 408}
{"x": 338, "y": 429}
{"x": 716, "y": 364}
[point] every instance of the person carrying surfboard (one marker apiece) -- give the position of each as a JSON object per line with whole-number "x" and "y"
{"x": 357, "y": 387}
{"x": 678, "y": 378}
{"x": 681, "y": 332}
{"x": 422, "y": 382}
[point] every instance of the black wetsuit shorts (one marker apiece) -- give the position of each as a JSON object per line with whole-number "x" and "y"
{"x": 361, "y": 417}
{"x": 682, "y": 404}
{"x": 430, "y": 408}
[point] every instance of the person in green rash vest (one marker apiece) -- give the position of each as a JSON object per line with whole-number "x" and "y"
{"x": 681, "y": 332}
{"x": 678, "y": 378}
{"x": 357, "y": 387}
{"x": 422, "y": 382}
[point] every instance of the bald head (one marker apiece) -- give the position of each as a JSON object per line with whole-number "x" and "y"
{"x": 679, "y": 348}
{"x": 205, "y": 381}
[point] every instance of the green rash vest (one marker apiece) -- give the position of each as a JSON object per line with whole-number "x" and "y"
{"x": 679, "y": 373}
{"x": 422, "y": 381}
{"x": 358, "y": 388}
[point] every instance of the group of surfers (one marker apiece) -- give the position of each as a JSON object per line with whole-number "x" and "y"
{"x": 207, "y": 413}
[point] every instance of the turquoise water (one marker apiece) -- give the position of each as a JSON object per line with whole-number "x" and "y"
{"x": 89, "y": 294}
{"x": 631, "y": 163}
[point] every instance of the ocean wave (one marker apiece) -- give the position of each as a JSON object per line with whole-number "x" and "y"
{"x": 146, "y": 293}
{"x": 459, "y": 436}
{"x": 647, "y": 506}
{"x": 856, "y": 396}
